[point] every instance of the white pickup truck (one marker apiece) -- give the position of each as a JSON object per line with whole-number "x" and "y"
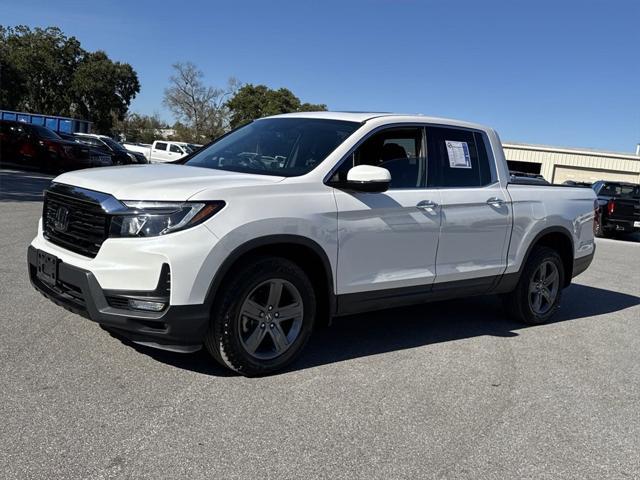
{"x": 161, "y": 151}
{"x": 294, "y": 219}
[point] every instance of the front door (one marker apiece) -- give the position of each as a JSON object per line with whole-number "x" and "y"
{"x": 388, "y": 240}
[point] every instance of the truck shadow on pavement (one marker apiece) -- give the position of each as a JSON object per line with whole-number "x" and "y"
{"x": 18, "y": 186}
{"x": 396, "y": 329}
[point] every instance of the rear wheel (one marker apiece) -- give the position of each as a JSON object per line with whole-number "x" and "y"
{"x": 537, "y": 295}
{"x": 263, "y": 318}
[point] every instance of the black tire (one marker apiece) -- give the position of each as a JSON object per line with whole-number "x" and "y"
{"x": 519, "y": 302}
{"x": 224, "y": 339}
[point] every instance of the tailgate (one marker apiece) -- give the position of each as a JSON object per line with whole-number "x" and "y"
{"x": 626, "y": 209}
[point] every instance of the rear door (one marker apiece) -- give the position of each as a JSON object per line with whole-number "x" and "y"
{"x": 476, "y": 213}
{"x": 388, "y": 240}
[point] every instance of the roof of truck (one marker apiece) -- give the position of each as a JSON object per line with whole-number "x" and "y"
{"x": 366, "y": 116}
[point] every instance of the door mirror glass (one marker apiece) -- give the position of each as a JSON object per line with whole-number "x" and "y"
{"x": 368, "y": 178}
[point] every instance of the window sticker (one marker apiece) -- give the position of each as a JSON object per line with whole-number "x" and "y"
{"x": 458, "y": 154}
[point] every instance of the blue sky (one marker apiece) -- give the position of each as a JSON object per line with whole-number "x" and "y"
{"x": 552, "y": 72}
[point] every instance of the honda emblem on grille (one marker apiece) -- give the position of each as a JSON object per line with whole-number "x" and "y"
{"x": 61, "y": 220}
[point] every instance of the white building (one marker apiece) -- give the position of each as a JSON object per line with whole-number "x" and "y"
{"x": 558, "y": 164}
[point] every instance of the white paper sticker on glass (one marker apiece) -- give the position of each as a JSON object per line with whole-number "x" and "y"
{"x": 458, "y": 154}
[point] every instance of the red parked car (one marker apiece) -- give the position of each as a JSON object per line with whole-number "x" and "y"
{"x": 32, "y": 146}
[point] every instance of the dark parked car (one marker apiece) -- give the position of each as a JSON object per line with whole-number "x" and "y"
{"x": 574, "y": 183}
{"x": 121, "y": 156}
{"x": 33, "y": 146}
{"x": 619, "y": 207}
{"x": 526, "y": 178}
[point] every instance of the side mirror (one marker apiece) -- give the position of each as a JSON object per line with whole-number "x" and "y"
{"x": 367, "y": 178}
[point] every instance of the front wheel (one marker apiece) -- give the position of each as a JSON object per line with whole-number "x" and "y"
{"x": 537, "y": 296}
{"x": 263, "y": 317}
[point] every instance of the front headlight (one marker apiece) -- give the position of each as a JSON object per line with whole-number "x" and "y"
{"x": 150, "y": 219}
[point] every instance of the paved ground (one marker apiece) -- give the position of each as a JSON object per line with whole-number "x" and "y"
{"x": 448, "y": 390}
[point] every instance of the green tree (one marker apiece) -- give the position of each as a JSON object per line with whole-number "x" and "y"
{"x": 42, "y": 61}
{"x": 44, "y": 71}
{"x": 256, "y": 101}
{"x": 12, "y": 88}
{"x": 102, "y": 90}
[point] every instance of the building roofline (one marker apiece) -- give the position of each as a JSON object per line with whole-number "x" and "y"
{"x": 581, "y": 151}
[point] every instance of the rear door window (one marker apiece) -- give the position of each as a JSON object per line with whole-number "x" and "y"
{"x": 161, "y": 146}
{"x": 457, "y": 158}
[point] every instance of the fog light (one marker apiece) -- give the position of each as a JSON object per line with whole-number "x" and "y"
{"x": 146, "y": 305}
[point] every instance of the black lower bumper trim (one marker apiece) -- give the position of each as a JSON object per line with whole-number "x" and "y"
{"x": 580, "y": 264}
{"x": 78, "y": 291}
{"x": 625, "y": 226}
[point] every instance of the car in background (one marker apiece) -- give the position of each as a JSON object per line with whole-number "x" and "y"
{"x": 575, "y": 183}
{"x": 161, "y": 151}
{"x": 121, "y": 156}
{"x": 619, "y": 207}
{"x": 25, "y": 145}
{"x": 524, "y": 178}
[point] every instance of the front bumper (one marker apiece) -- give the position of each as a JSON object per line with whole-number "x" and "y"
{"x": 136, "y": 263}
{"x": 178, "y": 327}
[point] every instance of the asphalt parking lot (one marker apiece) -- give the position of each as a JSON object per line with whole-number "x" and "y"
{"x": 446, "y": 390}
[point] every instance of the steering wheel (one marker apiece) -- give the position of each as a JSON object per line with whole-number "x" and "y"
{"x": 250, "y": 160}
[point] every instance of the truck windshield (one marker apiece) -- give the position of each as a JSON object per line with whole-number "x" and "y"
{"x": 285, "y": 147}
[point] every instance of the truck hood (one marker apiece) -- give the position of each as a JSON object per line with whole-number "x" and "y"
{"x": 159, "y": 181}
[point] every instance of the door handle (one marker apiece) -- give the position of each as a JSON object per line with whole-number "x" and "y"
{"x": 427, "y": 205}
{"x": 495, "y": 202}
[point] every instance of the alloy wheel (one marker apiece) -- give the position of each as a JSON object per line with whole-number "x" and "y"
{"x": 544, "y": 287}
{"x": 270, "y": 319}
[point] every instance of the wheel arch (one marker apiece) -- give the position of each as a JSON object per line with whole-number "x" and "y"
{"x": 306, "y": 253}
{"x": 559, "y": 239}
